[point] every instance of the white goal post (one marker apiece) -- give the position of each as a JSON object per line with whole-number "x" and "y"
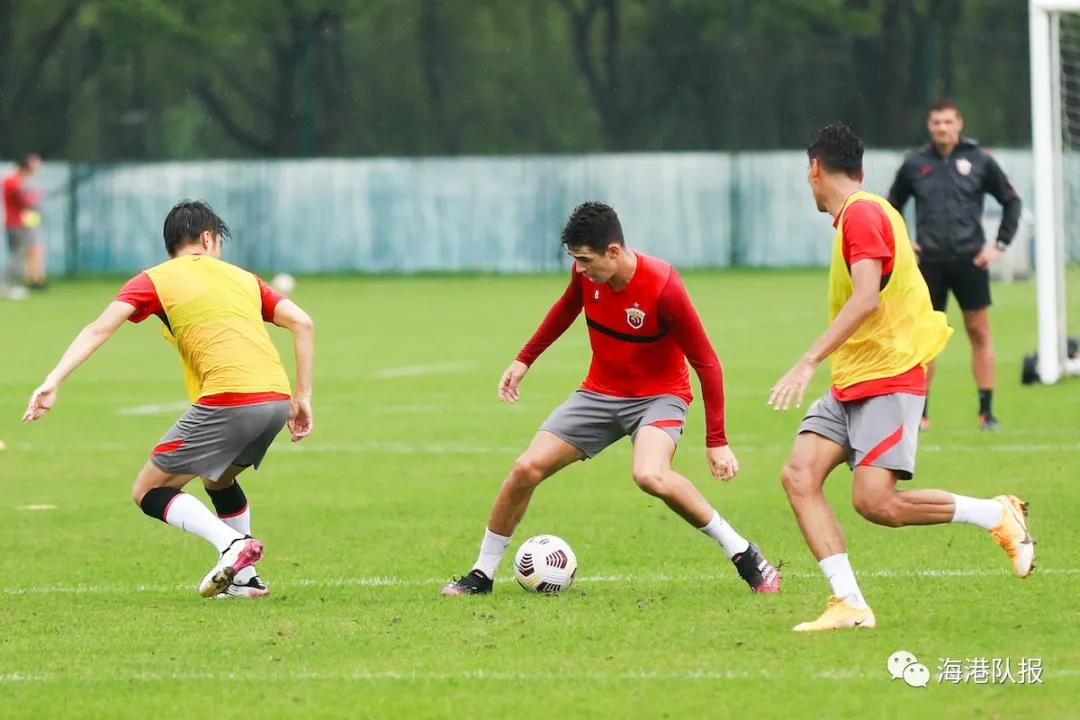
{"x": 1044, "y": 26}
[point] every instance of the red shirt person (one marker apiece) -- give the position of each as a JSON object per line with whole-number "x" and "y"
{"x": 643, "y": 329}
{"x": 20, "y": 223}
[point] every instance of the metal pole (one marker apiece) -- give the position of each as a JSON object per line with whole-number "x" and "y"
{"x": 1051, "y": 345}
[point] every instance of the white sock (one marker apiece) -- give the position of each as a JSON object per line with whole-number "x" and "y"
{"x": 842, "y": 579}
{"x": 190, "y": 515}
{"x": 492, "y": 548}
{"x": 241, "y": 523}
{"x": 976, "y": 511}
{"x": 732, "y": 542}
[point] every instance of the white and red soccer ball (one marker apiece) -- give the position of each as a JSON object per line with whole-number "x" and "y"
{"x": 545, "y": 564}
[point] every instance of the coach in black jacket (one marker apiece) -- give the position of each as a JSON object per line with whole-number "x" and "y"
{"x": 949, "y": 177}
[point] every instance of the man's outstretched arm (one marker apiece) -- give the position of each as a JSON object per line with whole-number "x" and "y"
{"x": 866, "y": 281}
{"x": 89, "y": 339}
{"x": 560, "y": 317}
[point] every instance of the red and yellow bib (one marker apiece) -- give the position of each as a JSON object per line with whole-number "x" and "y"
{"x": 904, "y": 332}
{"x": 214, "y": 318}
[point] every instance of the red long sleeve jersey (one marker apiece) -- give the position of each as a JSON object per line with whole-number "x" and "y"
{"x": 641, "y": 338}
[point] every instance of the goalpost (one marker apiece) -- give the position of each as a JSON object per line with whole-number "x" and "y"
{"x": 1054, "y": 30}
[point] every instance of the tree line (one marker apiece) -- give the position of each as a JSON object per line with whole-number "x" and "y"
{"x": 120, "y": 80}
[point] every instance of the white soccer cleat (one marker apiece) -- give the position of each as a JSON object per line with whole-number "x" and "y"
{"x": 253, "y": 587}
{"x": 242, "y": 553}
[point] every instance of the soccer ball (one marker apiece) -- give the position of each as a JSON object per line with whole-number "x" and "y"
{"x": 284, "y": 283}
{"x": 545, "y": 564}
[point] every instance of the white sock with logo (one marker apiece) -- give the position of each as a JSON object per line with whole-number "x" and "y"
{"x": 976, "y": 511}
{"x": 732, "y": 542}
{"x": 492, "y": 548}
{"x": 841, "y": 577}
{"x": 190, "y": 515}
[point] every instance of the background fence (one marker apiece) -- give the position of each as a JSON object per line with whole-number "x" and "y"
{"x": 490, "y": 214}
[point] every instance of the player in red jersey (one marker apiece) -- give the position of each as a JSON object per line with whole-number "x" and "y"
{"x": 643, "y": 328}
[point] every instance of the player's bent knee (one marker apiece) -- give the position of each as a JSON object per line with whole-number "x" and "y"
{"x": 797, "y": 481}
{"x": 878, "y": 508}
{"x": 651, "y": 482}
{"x": 527, "y": 471}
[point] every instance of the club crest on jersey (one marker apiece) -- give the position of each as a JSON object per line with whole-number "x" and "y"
{"x": 635, "y": 317}
{"x": 963, "y": 166}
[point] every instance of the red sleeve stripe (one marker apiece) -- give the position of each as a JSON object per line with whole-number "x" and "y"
{"x": 666, "y": 423}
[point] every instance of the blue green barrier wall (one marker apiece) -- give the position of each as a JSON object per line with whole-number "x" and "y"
{"x": 500, "y": 214}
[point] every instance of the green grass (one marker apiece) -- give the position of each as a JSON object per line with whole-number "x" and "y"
{"x": 388, "y": 498}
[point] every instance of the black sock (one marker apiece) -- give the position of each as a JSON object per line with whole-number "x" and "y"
{"x": 985, "y": 398}
{"x": 926, "y": 406}
{"x": 228, "y": 501}
{"x": 156, "y": 501}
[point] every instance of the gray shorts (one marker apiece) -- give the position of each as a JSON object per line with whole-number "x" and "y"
{"x": 880, "y": 431}
{"x": 206, "y": 440}
{"x": 590, "y": 421}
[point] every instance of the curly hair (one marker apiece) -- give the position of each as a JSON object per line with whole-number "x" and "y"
{"x": 838, "y": 149}
{"x": 593, "y": 225}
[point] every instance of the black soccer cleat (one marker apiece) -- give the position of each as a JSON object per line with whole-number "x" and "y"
{"x": 988, "y": 422}
{"x": 473, "y": 582}
{"x": 758, "y": 572}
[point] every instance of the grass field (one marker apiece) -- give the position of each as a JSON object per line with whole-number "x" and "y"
{"x": 366, "y": 519}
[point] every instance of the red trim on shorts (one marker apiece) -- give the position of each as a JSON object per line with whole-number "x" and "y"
{"x": 226, "y": 399}
{"x": 235, "y": 514}
{"x": 666, "y": 423}
{"x": 167, "y": 447}
{"x": 883, "y": 447}
{"x": 165, "y": 512}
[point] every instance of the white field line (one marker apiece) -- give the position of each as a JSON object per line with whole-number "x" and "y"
{"x": 1048, "y": 675}
{"x": 453, "y": 448}
{"x": 459, "y": 448}
{"x": 415, "y": 370}
{"x": 438, "y": 582}
{"x": 158, "y": 409}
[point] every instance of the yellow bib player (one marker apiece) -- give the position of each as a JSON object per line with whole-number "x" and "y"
{"x": 882, "y": 332}
{"x": 214, "y": 314}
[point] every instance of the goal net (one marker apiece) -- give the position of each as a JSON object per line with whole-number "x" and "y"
{"x": 1055, "y": 113}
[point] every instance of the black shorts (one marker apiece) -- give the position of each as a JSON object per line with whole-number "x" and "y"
{"x": 968, "y": 282}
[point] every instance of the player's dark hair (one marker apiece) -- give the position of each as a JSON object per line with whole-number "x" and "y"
{"x": 26, "y": 160}
{"x": 593, "y": 225}
{"x": 838, "y": 149}
{"x": 187, "y": 221}
{"x": 945, "y": 103}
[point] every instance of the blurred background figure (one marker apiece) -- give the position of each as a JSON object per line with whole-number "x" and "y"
{"x": 26, "y": 252}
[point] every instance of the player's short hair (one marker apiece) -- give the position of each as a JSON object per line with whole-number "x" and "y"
{"x": 945, "y": 103}
{"x": 838, "y": 149}
{"x": 593, "y": 225}
{"x": 187, "y": 221}
{"x": 27, "y": 160}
